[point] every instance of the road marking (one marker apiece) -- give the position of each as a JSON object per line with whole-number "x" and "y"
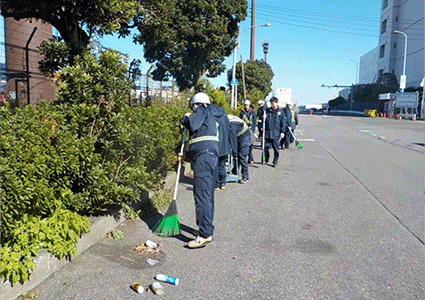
{"x": 374, "y": 134}
{"x": 306, "y": 140}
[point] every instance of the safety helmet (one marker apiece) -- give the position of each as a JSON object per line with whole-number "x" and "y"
{"x": 200, "y": 98}
{"x": 247, "y": 102}
{"x": 261, "y": 102}
{"x": 289, "y": 103}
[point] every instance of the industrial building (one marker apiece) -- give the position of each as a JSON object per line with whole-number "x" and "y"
{"x": 401, "y": 24}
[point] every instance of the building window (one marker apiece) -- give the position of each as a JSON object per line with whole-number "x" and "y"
{"x": 395, "y": 45}
{"x": 382, "y": 51}
{"x": 383, "y": 26}
{"x": 384, "y": 4}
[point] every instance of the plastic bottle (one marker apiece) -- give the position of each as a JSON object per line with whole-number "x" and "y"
{"x": 166, "y": 278}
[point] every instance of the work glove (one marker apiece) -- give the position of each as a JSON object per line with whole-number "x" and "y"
{"x": 282, "y": 135}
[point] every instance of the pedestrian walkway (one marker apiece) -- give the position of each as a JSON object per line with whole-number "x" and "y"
{"x": 304, "y": 230}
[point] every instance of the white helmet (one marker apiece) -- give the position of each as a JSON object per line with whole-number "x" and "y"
{"x": 200, "y": 98}
{"x": 261, "y": 102}
{"x": 247, "y": 102}
{"x": 290, "y": 103}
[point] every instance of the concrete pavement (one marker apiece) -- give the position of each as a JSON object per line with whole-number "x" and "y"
{"x": 305, "y": 230}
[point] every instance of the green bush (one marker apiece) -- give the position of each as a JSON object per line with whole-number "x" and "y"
{"x": 87, "y": 151}
{"x": 58, "y": 233}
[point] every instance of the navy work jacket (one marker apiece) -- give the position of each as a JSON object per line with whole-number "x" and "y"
{"x": 223, "y": 129}
{"x": 203, "y": 131}
{"x": 275, "y": 123}
{"x": 238, "y": 134}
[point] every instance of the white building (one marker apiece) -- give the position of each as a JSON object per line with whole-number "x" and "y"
{"x": 406, "y": 16}
{"x": 368, "y": 71}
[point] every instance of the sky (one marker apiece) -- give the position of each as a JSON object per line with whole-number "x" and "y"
{"x": 310, "y": 43}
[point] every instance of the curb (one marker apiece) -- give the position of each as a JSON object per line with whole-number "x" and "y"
{"x": 46, "y": 264}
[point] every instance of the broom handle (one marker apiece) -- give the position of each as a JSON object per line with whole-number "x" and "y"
{"x": 179, "y": 165}
{"x": 264, "y": 127}
{"x": 290, "y": 130}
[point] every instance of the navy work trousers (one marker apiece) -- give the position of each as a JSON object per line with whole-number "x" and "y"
{"x": 284, "y": 143}
{"x": 269, "y": 143}
{"x": 222, "y": 173}
{"x": 243, "y": 152}
{"x": 205, "y": 171}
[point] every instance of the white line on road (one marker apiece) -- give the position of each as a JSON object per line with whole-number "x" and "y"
{"x": 306, "y": 140}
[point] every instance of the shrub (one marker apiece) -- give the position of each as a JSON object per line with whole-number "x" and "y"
{"x": 87, "y": 151}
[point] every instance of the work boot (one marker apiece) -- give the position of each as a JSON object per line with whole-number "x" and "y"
{"x": 217, "y": 188}
{"x": 274, "y": 165}
{"x": 199, "y": 242}
{"x": 222, "y": 186}
{"x": 243, "y": 180}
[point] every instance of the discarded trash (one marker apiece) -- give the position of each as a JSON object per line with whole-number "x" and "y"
{"x": 151, "y": 244}
{"x": 157, "y": 288}
{"x": 151, "y": 262}
{"x": 148, "y": 246}
{"x": 138, "y": 288}
{"x": 166, "y": 278}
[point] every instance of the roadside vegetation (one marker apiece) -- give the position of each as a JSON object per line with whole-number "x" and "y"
{"x": 86, "y": 152}
{"x": 90, "y": 150}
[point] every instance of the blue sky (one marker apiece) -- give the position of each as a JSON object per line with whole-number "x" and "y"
{"x": 310, "y": 43}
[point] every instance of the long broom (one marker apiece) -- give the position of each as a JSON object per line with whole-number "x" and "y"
{"x": 298, "y": 144}
{"x": 263, "y": 156}
{"x": 169, "y": 224}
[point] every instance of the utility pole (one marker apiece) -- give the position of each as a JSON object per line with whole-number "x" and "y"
{"x": 252, "y": 54}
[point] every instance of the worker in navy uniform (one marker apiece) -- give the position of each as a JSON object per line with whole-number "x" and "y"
{"x": 294, "y": 121}
{"x": 250, "y": 118}
{"x": 275, "y": 126}
{"x": 284, "y": 142}
{"x": 240, "y": 140}
{"x": 223, "y": 145}
{"x": 260, "y": 112}
{"x": 203, "y": 149}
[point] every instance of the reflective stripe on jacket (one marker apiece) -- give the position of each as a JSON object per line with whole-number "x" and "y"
{"x": 239, "y": 120}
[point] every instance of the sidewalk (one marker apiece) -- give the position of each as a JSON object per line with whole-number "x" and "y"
{"x": 304, "y": 230}
{"x": 46, "y": 264}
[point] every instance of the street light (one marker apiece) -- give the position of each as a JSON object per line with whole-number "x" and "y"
{"x": 233, "y": 82}
{"x": 403, "y": 77}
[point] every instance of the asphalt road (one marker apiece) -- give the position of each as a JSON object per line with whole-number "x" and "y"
{"x": 341, "y": 218}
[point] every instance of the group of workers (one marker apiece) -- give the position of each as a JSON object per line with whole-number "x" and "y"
{"x": 214, "y": 135}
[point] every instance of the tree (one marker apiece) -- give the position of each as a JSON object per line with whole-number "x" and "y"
{"x": 76, "y": 20}
{"x": 258, "y": 78}
{"x": 191, "y": 39}
{"x": 387, "y": 83}
{"x": 389, "y": 80}
{"x": 335, "y": 102}
{"x": 187, "y": 39}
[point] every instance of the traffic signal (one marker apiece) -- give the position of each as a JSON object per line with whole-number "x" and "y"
{"x": 265, "y": 47}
